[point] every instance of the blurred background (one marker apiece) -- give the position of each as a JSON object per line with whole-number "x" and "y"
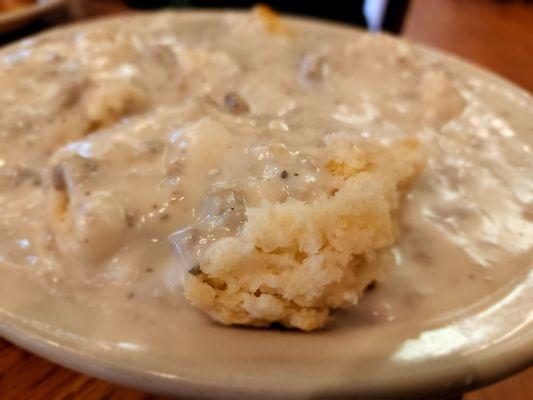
{"x": 496, "y": 34}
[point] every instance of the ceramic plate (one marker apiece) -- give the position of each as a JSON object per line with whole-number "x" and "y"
{"x": 459, "y": 350}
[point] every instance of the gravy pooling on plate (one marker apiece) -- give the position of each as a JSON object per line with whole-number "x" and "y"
{"x": 115, "y": 136}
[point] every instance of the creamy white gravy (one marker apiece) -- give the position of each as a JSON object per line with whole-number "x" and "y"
{"x": 116, "y": 104}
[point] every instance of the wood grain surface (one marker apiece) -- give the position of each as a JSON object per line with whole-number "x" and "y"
{"x": 494, "y": 34}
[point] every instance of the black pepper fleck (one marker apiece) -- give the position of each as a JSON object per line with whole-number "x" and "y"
{"x": 235, "y": 103}
{"x": 195, "y": 270}
{"x": 131, "y": 295}
{"x": 296, "y": 174}
{"x": 58, "y": 178}
{"x": 284, "y": 174}
{"x": 154, "y": 146}
{"x": 527, "y": 213}
{"x": 129, "y": 217}
{"x": 175, "y": 167}
{"x": 23, "y": 174}
{"x": 164, "y": 216}
{"x": 91, "y": 165}
{"x": 149, "y": 269}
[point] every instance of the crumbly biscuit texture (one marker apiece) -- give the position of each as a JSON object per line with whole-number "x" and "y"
{"x": 294, "y": 262}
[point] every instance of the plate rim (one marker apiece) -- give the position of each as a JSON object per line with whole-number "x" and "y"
{"x": 520, "y": 357}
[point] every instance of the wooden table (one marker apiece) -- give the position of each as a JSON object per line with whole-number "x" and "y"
{"x": 495, "y": 34}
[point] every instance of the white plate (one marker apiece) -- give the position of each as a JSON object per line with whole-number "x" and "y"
{"x": 461, "y": 350}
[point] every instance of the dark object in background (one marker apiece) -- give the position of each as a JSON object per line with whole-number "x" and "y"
{"x": 395, "y": 15}
{"x": 147, "y": 4}
{"x": 347, "y": 11}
